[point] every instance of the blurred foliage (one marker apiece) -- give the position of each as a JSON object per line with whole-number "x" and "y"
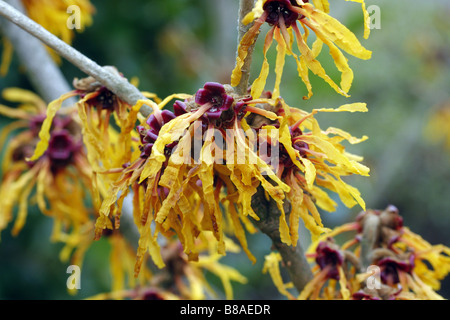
{"x": 176, "y": 46}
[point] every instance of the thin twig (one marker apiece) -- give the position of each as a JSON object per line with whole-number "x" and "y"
{"x": 245, "y": 6}
{"x": 42, "y": 71}
{"x": 118, "y": 85}
{"x": 294, "y": 259}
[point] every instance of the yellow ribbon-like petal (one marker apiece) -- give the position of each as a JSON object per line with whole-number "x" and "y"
{"x": 336, "y": 32}
{"x": 44, "y": 133}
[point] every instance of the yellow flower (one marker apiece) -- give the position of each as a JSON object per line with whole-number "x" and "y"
{"x": 311, "y": 162}
{"x": 284, "y": 17}
{"x": 180, "y": 191}
{"x": 272, "y": 265}
{"x": 331, "y": 275}
{"x": 438, "y": 256}
{"x": 53, "y": 16}
{"x": 61, "y": 177}
{"x": 110, "y": 144}
{"x": 181, "y": 279}
{"x": 396, "y": 254}
{"x": 122, "y": 259}
{"x": 201, "y": 164}
{"x": 63, "y": 180}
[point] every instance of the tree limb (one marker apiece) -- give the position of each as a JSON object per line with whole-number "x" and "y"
{"x": 118, "y": 85}
{"x": 43, "y": 73}
{"x": 245, "y": 6}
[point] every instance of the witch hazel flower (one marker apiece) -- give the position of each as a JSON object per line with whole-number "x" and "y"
{"x": 395, "y": 260}
{"x": 50, "y": 176}
{"x": 285, "y": 17}
{"x": 172, "y": 182}
{"x": 222, "y": 105}
{"x": 214, "y": 94}
{"x": 149, "y": 136}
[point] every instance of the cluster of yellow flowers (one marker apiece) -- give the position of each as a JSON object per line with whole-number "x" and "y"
{"x": 382, "y": 260}
{"x": 284, "y": 16}
{"x": 191, "y": 171}
{"x": 70, "y": 191}
{"x": 64, "y": 167}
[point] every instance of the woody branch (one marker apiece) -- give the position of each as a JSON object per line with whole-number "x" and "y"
{"x": 118, "y": 85}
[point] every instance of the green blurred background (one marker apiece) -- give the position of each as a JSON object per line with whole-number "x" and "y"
{"x": 178, "y": 45}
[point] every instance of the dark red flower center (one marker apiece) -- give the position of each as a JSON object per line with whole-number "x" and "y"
{"x": 361, "y": 295}
{"x": 149, "y": 136}
{"x": 61, "y": 149}
{"x": 214, "y": 93}
{"x": 106, "y": 99}
{"x": 223, "y": 108}
{"x": 297, "y": 144}
{"x": 390, "y": 269}
{"x": 36, "y": 123}
{"x": 281, "y": 9}
{"x": 63, "y": 143}
{"x": 152, "y": 295}
{"x": 329, "y": 257}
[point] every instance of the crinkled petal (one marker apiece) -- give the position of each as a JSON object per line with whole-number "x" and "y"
{"x": 272, "y": 265}
{"x": 260, "y": 82}
{"x": 246, "y": 42}
{"x": 350, "y": 107}
{"x": 279, "y": 63}
{"x": 336, "y": 32}
{"x": 44, "y": 133}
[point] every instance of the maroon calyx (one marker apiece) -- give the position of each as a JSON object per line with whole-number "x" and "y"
{"x": 390, "y": 268}
{"x": 239, "y": 107}
{"x": 328, "y": 256}
{"x": 297, "y": 144}
{"x": 277, "y": 9}
{"x": 149, "y": 136}
{"x": 152, "y": 294}
{"x": 36, "y": 123}
{"x": 61, "y": 149}
{"x": 179, "y": 108}
{"x": 214, "y": 93}
{"x": 222, "y": 110}
{"x": 104, "y": 99}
